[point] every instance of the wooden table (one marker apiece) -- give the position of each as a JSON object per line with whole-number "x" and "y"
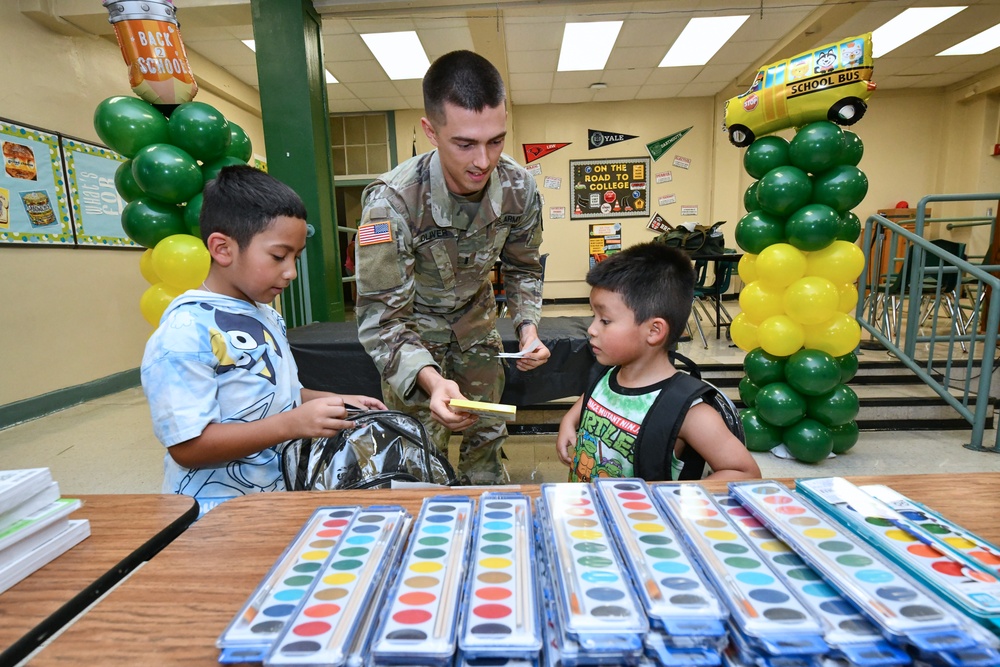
{"x": 125, "y": 531}
{"x": 172, "y": 610}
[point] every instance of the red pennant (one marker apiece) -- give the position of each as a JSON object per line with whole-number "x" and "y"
{"x": 534, "y": 152}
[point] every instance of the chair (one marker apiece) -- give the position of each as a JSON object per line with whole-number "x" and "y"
{"x": 709, "y": 294}
{"x": 500, "y": 294}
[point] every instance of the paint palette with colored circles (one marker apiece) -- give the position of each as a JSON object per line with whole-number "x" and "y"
{"x": 333, "y": 620}
{"x": 420, "y": 614}
{"x": 765, "y": 611}
{"x": 250, "y": 634}
{"x": 901, "y": 608}
{"x": 849, "y": 634}
{"x": 593, "y": 594}
{"x": 955, "y": 576}
{"x": 674, "y": 595}
{"x": 501, "y": 613}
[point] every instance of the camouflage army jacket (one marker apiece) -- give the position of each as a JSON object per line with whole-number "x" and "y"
{"x": 419, "y": 277}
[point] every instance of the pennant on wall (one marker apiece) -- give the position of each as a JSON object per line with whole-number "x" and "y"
{"x": 600, "y": 138}
{"x": 660, "y": 146}
{"x": 534, "y": 152}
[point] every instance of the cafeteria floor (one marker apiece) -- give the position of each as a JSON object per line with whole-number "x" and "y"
{"x": 107, "y": 446}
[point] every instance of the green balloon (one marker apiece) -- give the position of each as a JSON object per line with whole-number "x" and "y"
{"x": 192, "y": 215}
{"x": 848, "y": 366}
{"x": 763, "y": 368}
{"x": 808, "y": 440}
{"x": 817, "y": 147}
{"x": 127, "y": 124}
{"x": 853, "y": 149}
{"x": 756, "y": 230}
{"x": 833, "y": 409}
{"x": 812, "y": 227}
{"x": 239, "y": 143}
{"x": 148, "y": 221}
{"x": 167, "y": 173}
{"x": 765, "y": 154}
{"x": 841, "y": 188}
{"x": 200, "y": 130}
{"x": 783, "y": 191}
{"x": 750, "y": 202}
{"x": 748, "y": 392}
{"x": 845, "y": 436}
{"x": 780, "y": 405}
{"x": 125, "y": 183}
{"x": 812, "y": 372}
{"x": 850, "y": 228}
{"x": 211, "y": 170}
{"x": 760, "y": 436}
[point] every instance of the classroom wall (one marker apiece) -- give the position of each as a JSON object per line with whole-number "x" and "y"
{"x": 71, "y": 315}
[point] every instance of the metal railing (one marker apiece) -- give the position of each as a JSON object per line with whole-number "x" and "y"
{"x": 914, "y": 289}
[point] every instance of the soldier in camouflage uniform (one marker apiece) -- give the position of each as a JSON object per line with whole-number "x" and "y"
{"x": 430, "y": 233}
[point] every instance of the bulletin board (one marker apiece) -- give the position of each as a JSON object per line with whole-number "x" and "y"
{"x": 609, "y": 188}
{"x": 97, "y": 206}
{"x": 33, "y": 206}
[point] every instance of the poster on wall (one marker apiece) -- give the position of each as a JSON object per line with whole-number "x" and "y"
{"x": 609, "y": 188}
{"x": 605, "y": 239}
{"x": 33, "y": 206}
{"x": 97, "y": 206}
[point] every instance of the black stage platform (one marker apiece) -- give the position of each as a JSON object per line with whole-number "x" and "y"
{"x": 330, "y": 358}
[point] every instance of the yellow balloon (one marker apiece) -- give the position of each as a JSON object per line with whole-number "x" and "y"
{"x": 182, "y": 261}
{"x": 744, "y": 333}
{"x": 839, "y": 262}
{"x": 837, "y": 336}
{"x": 760, "y": 300}
{"x": 780, "y": 335}
{"x": 781, "y": 264}
{"x": 747, "y": 268}
{"x": 848, "y": 298}
{"x": 155, "y": 300}
{"x": 811, "y": 300}
{"x": 146, "y": 267}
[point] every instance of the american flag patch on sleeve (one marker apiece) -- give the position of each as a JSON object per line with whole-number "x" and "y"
{"x": 374, "y": 232}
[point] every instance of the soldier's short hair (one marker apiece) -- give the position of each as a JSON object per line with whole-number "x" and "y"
{"x": 241, "y": 202}
{"x": 464, "y": 79}
{"x": 653, "y": 280}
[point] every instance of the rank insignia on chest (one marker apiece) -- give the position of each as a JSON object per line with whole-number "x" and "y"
{"x": 374, "y": 232}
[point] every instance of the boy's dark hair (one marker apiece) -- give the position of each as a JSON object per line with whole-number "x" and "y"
{"x": 241, "y": 202}
{"x": 465, "y": 79}
{"x": 653, "y": 280}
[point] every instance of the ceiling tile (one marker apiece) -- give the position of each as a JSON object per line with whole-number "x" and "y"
{"x": 410, "y": 88}
{"x": 357, "y": 72}
{"x": 569, "y": 80}
{"x": 439, "y": 41}
{"x": 616, "y": 94}
{"x": 626, "y": 57}
{"x": 352, "y": 105}
{"x": 535, "y": 36}
{"x": 520, "y": 97}
{"x": 655, "y": 92}
{"x": 385, "y": 103}
{"x": 647, "y": 31}
{"x": 572, "y": 96}
{"x": 701, "y": 89}
{"x": 345, "y": 48}
{"x": 717, "y": 73}
{"x": 661, "y": 75}
{"x": 380, "y": 89}
{"x": 540, "y": 81}
{"x": 527, "y": 62}
{"x": 626, "y": 77}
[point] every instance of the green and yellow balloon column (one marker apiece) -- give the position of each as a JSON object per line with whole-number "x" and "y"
{"x": 169, "y": 161}
{"x": 797, "y": 322}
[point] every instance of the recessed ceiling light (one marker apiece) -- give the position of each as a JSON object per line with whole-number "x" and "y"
{"x": 399, "y": 53}
{"x": 909, "y": 24}
{"x": 252, "y": 45}
{"x": 701, "y": 39}
{"x": 599, "y": 85}
{"x": 587, "y": 46}
{"x": 984, "y": 42}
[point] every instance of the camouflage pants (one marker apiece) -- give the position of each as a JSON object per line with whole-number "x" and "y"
{"x": 480, "y": 377}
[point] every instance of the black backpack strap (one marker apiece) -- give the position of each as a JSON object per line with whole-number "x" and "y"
{"x": 653, "y": 448}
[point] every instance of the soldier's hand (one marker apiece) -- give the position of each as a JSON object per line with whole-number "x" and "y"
{"x": 445, "y": 390}
{"x": 538, "y": 356}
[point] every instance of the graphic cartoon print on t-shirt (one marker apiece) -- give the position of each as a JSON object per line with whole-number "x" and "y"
{"x": 251, "y": 339}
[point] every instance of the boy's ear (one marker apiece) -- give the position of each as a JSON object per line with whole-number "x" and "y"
{"x": 222, "y": 248}
{"x": 657, "y": 330}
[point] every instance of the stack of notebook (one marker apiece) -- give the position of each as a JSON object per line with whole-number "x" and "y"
{"x": 34, "y": 523}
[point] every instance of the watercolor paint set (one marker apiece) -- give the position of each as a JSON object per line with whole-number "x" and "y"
{"x": 850, "y": 635}
{"x": 500, "y": 618}
{"x": 955, "y": 576}
{"x": 674, "y": 595}
{"x": 763, "y": 609}
{"x": 332, "y": 624}
{"x": 902, "y": 609}
{"x": 419, "y": 623}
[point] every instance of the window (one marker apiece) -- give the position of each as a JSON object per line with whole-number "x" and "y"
{"x": 360, "y": 144}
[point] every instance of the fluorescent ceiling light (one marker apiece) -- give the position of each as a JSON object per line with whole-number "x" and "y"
{"x": 399, "y": 53}
{"x": 911, "y": 23}
{"x": 587, "y": 46}
{"x": 252, "y": 45}
{"x": 329, "y": 77}
{"x": 701, "y": 39}
{"x": 985, "y": 41}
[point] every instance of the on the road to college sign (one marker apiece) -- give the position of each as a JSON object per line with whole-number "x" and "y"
{"x": 609, "y": 188}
